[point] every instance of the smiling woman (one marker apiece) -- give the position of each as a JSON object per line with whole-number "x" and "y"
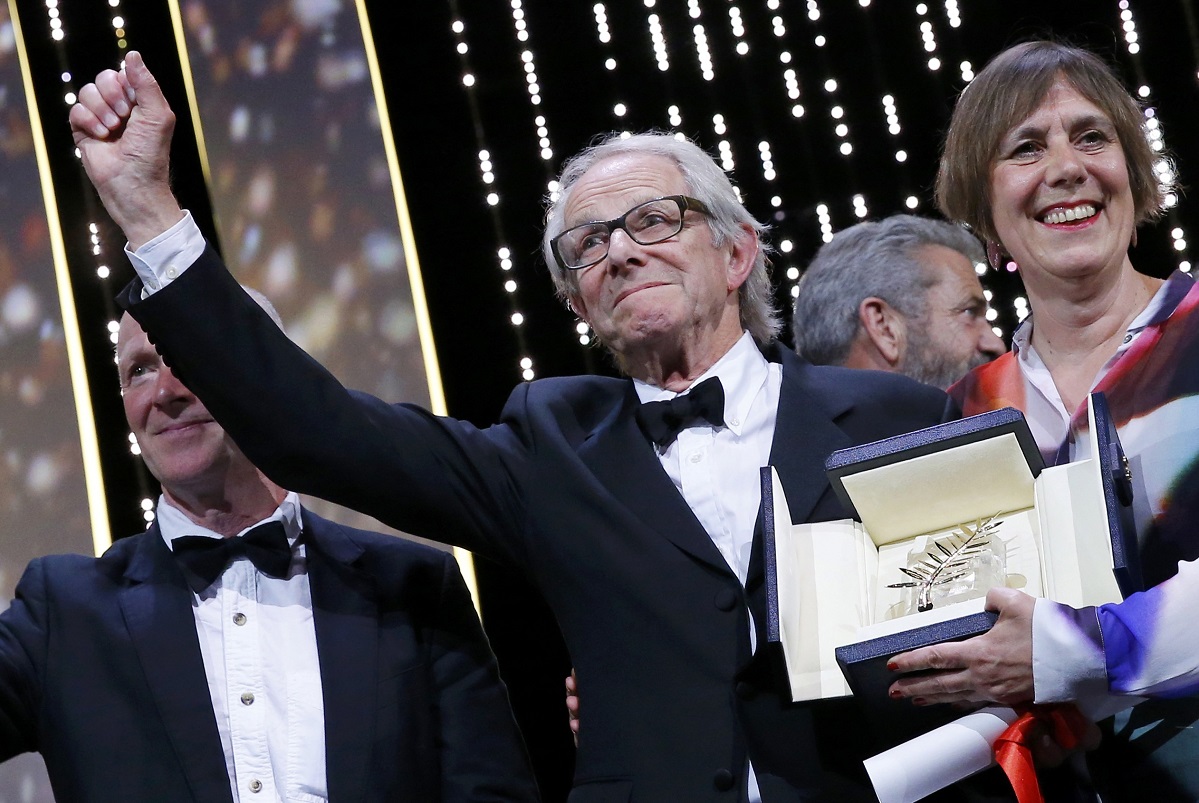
{"x": 1047, "y": 158}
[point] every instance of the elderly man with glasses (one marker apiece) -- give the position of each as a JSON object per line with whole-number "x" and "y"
{"x": 632, "y": 502}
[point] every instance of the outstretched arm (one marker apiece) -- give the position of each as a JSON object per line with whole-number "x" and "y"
{"x": 434, "y": 477}
{"x": 122, "y": 126}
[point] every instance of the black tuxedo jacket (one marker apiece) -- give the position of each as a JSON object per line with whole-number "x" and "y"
{"x": 101, "y": 672}
{"x": 569, "y": 490}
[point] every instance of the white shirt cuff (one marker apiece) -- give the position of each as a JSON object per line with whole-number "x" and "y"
{"x": 1067, "y": 657}
{"x": 163, "y": 259}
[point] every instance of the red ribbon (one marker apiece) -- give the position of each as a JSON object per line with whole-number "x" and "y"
{"x": 1067, "y": 726}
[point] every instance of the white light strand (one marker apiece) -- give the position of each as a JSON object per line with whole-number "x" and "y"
{"x": 737, "y": 27}
{"x": 840, "y": 128}
{"x": 601, "y": 24}
{"x": 791, "y": 82}
{"x": 826, "y": 222}
{"x": 768, "y": 172}
{"x": 892, "y": 114}
{"x": 859, "y": 207}
{"x": 118, "y": 24}
{"x": 488, "y": 173}
{"x": 1131, "y": 40}
{"x": 58, "y": 35}
{"x": 929, "y": 38}
{"x": 725, "y": 149}
{"x": 703, "y": 53}
{"x": 57, "y": 32}
{"x": 658, "y": 39}
{"x": 604, "y": 33}
{"x": 953, "y": 13}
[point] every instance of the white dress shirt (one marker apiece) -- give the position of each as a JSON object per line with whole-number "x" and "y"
{"x": 716, "y": 469}
{"x": 258, "y": 643}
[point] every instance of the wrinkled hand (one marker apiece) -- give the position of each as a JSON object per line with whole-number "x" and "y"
{"x": 572, "y": 704}
{"x": 122, "y": 126}
{"x": 996, "y": 666}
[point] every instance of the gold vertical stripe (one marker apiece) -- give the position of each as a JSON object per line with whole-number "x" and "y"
{"x": 93, "y": 475}
{"x": 194, "y": 107}
{"x": 423, "y": 324}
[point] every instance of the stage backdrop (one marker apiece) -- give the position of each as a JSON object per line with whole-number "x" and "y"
{"x": 305, "y": 187}
{"x": 48, "y": 457}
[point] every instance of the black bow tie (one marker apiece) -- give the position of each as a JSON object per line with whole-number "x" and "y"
{"x": 204, "y": 558}
{"x": 664, "y": 420}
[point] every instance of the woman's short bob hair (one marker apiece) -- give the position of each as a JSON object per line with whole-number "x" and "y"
{"x": 1006, "y": 92}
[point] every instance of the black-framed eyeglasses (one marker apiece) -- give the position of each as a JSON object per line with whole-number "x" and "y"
{"x": 651, "y": 222}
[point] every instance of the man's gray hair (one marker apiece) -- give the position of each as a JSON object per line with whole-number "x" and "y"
{"x": 706, "y": 182}
{"x": 875, "y": 259}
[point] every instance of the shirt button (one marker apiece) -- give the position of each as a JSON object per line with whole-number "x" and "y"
{"x": 247, "y": 699}
{"x": 1128, "y": 338}
{"x": 255, "y": 785}
{"x": 695, "y": 458}
{"x": 239, "y": 619}
{"x": 172, "y": 273}
{"x": 734, "y": 422}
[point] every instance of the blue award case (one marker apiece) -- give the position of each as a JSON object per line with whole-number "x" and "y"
{"x": 1067, "y": 530}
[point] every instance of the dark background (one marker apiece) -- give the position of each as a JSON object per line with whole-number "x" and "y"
{"x": 440, "y": 126}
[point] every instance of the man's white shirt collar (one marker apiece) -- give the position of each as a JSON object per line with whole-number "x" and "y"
{"x": 174, "y": 523}
{"x": 742, "y": 372}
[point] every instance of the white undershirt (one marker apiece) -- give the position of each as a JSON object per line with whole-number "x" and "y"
{"x": 258, "y": 643}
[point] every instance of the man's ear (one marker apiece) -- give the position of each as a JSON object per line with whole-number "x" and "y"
{"x": 744, "y": 252}
{"x": 884, "y": 327}
{"x": 576, "y": 306}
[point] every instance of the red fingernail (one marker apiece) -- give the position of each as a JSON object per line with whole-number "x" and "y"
{"x": 895, "y": 694}
{"x": 892, "y": 666}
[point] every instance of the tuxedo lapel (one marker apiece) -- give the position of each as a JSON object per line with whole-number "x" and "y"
{"x": 346, "y": 621}
{"x": 622, "y": 458}
{"x": 157, "y": 608}
{"x": 805, "y": 434}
